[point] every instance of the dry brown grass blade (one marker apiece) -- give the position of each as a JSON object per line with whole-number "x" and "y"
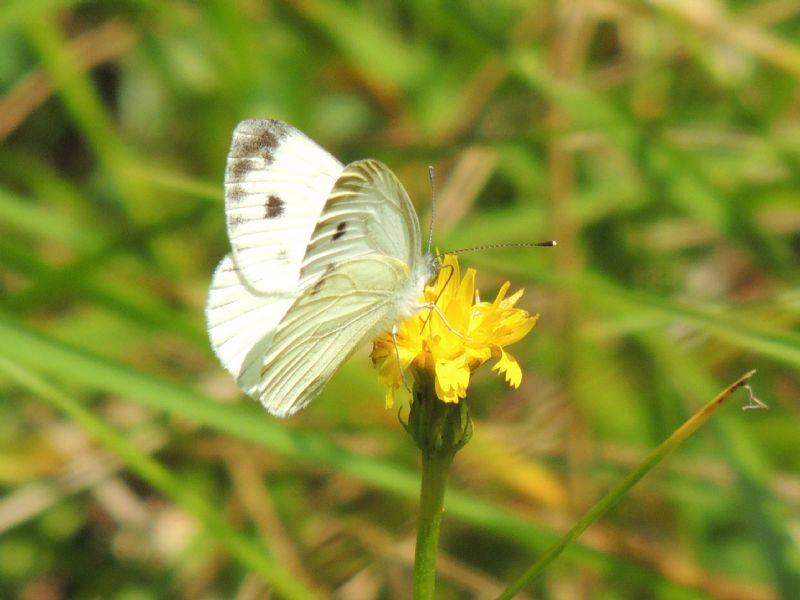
{"x": 91, "y": 48}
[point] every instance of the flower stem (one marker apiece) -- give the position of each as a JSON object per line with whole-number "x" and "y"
{"x": 616, "y": 493}
{"x": 435, "y": 468}
{"x": 439, "y": 430}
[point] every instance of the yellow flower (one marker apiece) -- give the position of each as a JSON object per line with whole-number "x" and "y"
{"x": 425, "y": 342}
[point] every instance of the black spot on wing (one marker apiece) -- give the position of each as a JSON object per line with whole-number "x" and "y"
{"x": 259, "y": 138}
{"x": 235, "y": 220}
{"x": 282, "y": 256}
{"x": 273, "y": 207}
{"x": 340, "y": 229}
{"x": 321, "y": 281}
{"x": 235, "y": 194}
{"x": 238, "y": 168}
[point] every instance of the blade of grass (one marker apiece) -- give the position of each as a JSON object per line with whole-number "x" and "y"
{"x": 764, "y": 514}
{"x": 247, "y": 422}
{"x": 52, "y": 281}
{"x": 779, "y": 345}
{"x": 134, "y": 306}
{"x": 80, "y": 98}
{"x": 377, "y": 49}
{"x": 760, "y": 41}
{"x": 29, "y": 218}
{"x": 783, "y": 346}
{"x": 250, "y": 554}
{"x": 17, "y": 12}
{"x": 616, "y": 493}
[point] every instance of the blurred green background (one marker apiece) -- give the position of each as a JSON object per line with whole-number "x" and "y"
{"x": 658, "y": 142}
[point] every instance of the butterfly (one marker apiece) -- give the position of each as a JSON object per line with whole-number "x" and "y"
{"x": 324, "y": 257}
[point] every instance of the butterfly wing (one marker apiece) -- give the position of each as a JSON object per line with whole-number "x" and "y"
{"x": 321, "y": 330}
{"x": 368, "y": 212}
{"x": 276, "y": 183}
{"x": 241, "y": 321}
{"x": 356, "y": 273}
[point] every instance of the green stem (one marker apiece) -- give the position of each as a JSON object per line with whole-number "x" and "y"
{"x": 616, "y": 493}
{"x": 439, "y": 430}
{"x": 435, "y": 468}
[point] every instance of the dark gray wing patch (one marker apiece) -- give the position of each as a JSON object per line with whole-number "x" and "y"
{"x": 235, "y": 194}
{"x": 238, "y": 168}
{"x": 340, "y": 229}
{"x": 264, "y": 137}
{"x": 273, "y": 207}
{"x": 236, "y": 220}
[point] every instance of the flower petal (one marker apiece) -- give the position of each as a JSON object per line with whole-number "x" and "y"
{"x": 509, "y": 366}
{"x": 451, "y": 349}
{"x": 389, "y": 397}
{"x": 452, "y": 379}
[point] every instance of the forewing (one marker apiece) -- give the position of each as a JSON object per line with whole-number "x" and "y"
{"x": 276, "y": 183}
{"x": 350, "y": 304}
{"x": 241, "y": 323}
{"x": 368, "y": 212}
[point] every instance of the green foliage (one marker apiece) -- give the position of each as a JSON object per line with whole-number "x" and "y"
{"x": 657, "y": 142}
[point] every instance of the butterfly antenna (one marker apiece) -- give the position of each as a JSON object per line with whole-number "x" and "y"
{"x": 546, "y": 244}
{"x": 432, "y": 180}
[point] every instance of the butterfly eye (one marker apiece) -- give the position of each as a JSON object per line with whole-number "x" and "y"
{"x": 434, "y": 266}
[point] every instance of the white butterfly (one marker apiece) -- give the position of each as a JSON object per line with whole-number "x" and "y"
{"x": 325, "y": 257}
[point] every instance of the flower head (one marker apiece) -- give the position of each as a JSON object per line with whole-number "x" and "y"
{"x": 473, "y": 333}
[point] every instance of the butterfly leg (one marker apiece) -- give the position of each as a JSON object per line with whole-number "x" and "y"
{"x": 397, "y": 354}
{"x": 439, "y": 312}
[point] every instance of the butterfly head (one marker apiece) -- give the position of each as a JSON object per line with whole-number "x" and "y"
{"x": 432, "y": 264}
